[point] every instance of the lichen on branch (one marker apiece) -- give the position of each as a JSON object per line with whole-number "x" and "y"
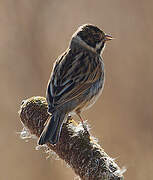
{"x": 76, "y": 146}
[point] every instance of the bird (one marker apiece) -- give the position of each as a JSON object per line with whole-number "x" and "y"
{"x": 76, "y": 81}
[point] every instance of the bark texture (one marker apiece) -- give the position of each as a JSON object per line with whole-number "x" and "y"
{"x": 76, "y": 147}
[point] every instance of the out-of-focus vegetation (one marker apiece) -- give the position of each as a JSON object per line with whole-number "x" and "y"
{"x": 32, "y": 35}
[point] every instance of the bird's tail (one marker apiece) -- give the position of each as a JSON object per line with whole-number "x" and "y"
{"x": 52, "y": 130}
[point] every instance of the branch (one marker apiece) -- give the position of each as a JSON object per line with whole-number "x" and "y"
{"x": 76, "y": 147}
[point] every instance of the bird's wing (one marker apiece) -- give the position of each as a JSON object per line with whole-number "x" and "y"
{"x": 72, "y": 75}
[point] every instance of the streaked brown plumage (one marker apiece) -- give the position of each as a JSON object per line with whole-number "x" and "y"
{"x": 76, "y": 81}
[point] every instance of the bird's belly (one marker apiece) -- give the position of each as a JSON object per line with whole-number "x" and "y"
{"x": 93, "y": 94}
{"x": 92, "y": 100}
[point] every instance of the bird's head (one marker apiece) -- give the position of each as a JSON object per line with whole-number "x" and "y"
{"x": 92, "y": 37}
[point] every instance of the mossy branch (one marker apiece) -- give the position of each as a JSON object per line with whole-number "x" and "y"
{"x": 76, "y": 147}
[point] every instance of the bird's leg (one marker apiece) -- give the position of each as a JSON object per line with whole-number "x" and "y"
{"x": 80, "y": 118}
{"x": 83, "y": 124}
{"x": 79, "y": 115}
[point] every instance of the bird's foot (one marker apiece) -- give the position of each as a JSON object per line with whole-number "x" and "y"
{"x": 71, "y": 120}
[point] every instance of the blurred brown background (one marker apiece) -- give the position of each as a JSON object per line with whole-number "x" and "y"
{"x": 32, "y": 34}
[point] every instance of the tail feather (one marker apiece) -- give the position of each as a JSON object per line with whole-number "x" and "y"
{"x": 52, "y": 130}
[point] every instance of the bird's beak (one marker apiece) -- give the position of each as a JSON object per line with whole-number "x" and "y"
{"x": 108, "y": 37}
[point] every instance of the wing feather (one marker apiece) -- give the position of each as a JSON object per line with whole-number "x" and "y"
{"x": 72, "y": 75}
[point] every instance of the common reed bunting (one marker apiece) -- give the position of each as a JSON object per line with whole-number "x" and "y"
{"x": 76, "y": 81}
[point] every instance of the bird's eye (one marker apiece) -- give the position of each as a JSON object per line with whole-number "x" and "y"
{"x": 97, "y": 37}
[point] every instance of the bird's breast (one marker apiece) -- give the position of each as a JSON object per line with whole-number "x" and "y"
{"x": 95, "y": 92}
